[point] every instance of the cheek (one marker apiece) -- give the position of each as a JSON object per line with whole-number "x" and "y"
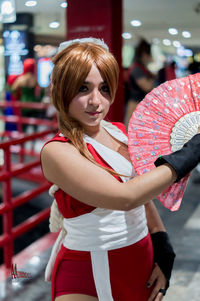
{"x": 77, "y": 107}
{"x": 107, "y": 103}
{"x": 76, "y": 103}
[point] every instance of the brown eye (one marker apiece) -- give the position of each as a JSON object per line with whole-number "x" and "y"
{"x": 83, "y": 88}
{"x": 105, "y": 89}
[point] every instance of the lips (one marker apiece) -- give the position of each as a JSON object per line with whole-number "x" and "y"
{"x": 93, "y": 113}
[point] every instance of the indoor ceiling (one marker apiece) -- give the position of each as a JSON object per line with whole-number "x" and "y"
{"x": 159, "y": 15}
{"x": 156, "y": 16}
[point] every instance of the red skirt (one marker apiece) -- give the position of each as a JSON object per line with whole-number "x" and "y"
{"x": 130, "y": 269}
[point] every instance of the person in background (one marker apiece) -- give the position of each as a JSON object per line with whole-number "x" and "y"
{"x": 168, "y": 72}
{"x": 28, "y": 88}
{"x": 194, "y": 66}
{"x": 11, "y": 95}
{"x": 141, "y": 80}
{"x": 112, "y": 244}
{"x": 126, "y": 85}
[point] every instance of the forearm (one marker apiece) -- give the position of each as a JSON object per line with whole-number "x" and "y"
{"x": 154, "y": 221}
{"x": 135, "y": 192}
{"x": 94, "y": 186}
{"x": 146, "y": 187}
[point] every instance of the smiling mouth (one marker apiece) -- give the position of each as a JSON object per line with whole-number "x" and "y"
{"x": 93, "y": 113}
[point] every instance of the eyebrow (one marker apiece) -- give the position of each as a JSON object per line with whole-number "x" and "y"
{"x": 87, "y": 83}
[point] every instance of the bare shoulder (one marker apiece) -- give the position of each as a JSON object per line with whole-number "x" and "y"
{"x": 57, "y": 151}
{"x": 58, "y": 146}
{"x": 64, "y": 166}
{"x": 62, "y": 158}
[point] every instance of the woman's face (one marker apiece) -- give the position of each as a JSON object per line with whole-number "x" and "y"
{"x": 92, "y": 102}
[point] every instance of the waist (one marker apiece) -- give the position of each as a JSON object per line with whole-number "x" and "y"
{"x": 104, "y": 229}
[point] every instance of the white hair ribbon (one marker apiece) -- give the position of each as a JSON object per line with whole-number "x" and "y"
{"x": 99, "y": 42}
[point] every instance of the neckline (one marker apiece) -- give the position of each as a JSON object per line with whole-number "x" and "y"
{"x": 111, "y": 129}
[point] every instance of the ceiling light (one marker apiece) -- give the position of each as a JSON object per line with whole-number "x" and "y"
{"x": 181, "y": 51}
{"x": 6, "y": 8}
{"x": 173, "y": 31}
{"x": 7, "y": 11}
{"x": 31, "y": 3}
{"x": 64, "y": 4}
{"x": 188, "y": 52}
{"x": 177, "y": 44}
{"x": 127, "y": 35}
{"x": 136, "y": 23}
{"x": 166, "y": 42}
{"x": 54, "y": 24}
{"x": 186, "y": 34}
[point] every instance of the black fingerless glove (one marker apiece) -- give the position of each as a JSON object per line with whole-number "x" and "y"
{"x": 163, "y": 253}
{"x": 183, "y": 160}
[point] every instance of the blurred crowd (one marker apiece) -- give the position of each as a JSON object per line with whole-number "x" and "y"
{"x": 139, "y": 80}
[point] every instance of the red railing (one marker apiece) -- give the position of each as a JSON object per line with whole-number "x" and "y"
{"x": 15, "y": 147}
{"x": 17, "y": 107}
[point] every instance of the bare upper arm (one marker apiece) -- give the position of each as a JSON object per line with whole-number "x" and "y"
{"x": 64, "y": 166}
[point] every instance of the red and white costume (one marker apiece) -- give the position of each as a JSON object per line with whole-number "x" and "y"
{"x": 115, "y": 244}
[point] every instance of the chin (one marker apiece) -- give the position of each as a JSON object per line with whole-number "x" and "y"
{"x": 92, "y": 123}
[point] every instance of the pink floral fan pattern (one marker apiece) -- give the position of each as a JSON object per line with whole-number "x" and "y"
{"x": 167, "y": 118}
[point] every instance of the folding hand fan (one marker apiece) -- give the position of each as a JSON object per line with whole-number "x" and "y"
{"x": 166, "y": 119}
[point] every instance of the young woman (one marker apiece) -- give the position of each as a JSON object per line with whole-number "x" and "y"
{"x": 104, "y": 251}
{"x": 141, "y": 81}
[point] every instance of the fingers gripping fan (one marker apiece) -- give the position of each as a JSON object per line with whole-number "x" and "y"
{"x": 166, "y": 119}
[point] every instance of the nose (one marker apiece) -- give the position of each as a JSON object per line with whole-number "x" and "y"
{"x": 95, "y": 98}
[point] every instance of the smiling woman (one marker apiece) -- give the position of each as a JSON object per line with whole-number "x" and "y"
{"x": 84, "y": 78}
{"x": 92, "y": 102}
{"x": 104, "y": 210}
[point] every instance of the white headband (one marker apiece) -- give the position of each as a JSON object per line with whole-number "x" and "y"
{"x": 99, "y": 42}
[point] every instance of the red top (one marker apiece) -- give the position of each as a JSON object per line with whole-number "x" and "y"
{"x": 68, "y": 206}
{"x": 132, "y": 256}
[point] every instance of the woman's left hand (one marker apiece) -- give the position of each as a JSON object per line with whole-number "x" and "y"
{"x": 158, "y": 280}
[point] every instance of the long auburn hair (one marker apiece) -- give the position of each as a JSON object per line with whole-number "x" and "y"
{"x": 71, "y": 67}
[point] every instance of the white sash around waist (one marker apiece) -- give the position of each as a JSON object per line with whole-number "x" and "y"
{"x": 104, "y": 229}
{"x": 100, "y": 231}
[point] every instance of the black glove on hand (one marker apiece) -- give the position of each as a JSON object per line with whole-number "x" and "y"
{"x": 163, "y": 253}
{"x": 183, "y": 160}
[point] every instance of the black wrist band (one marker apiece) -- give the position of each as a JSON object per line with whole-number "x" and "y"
{"x": 184, "y": 160}
{"x": 163, "y": 253}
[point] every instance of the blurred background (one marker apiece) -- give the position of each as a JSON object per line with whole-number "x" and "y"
{"x": 172, "y": 28}
{"x": 155, "y": 40}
